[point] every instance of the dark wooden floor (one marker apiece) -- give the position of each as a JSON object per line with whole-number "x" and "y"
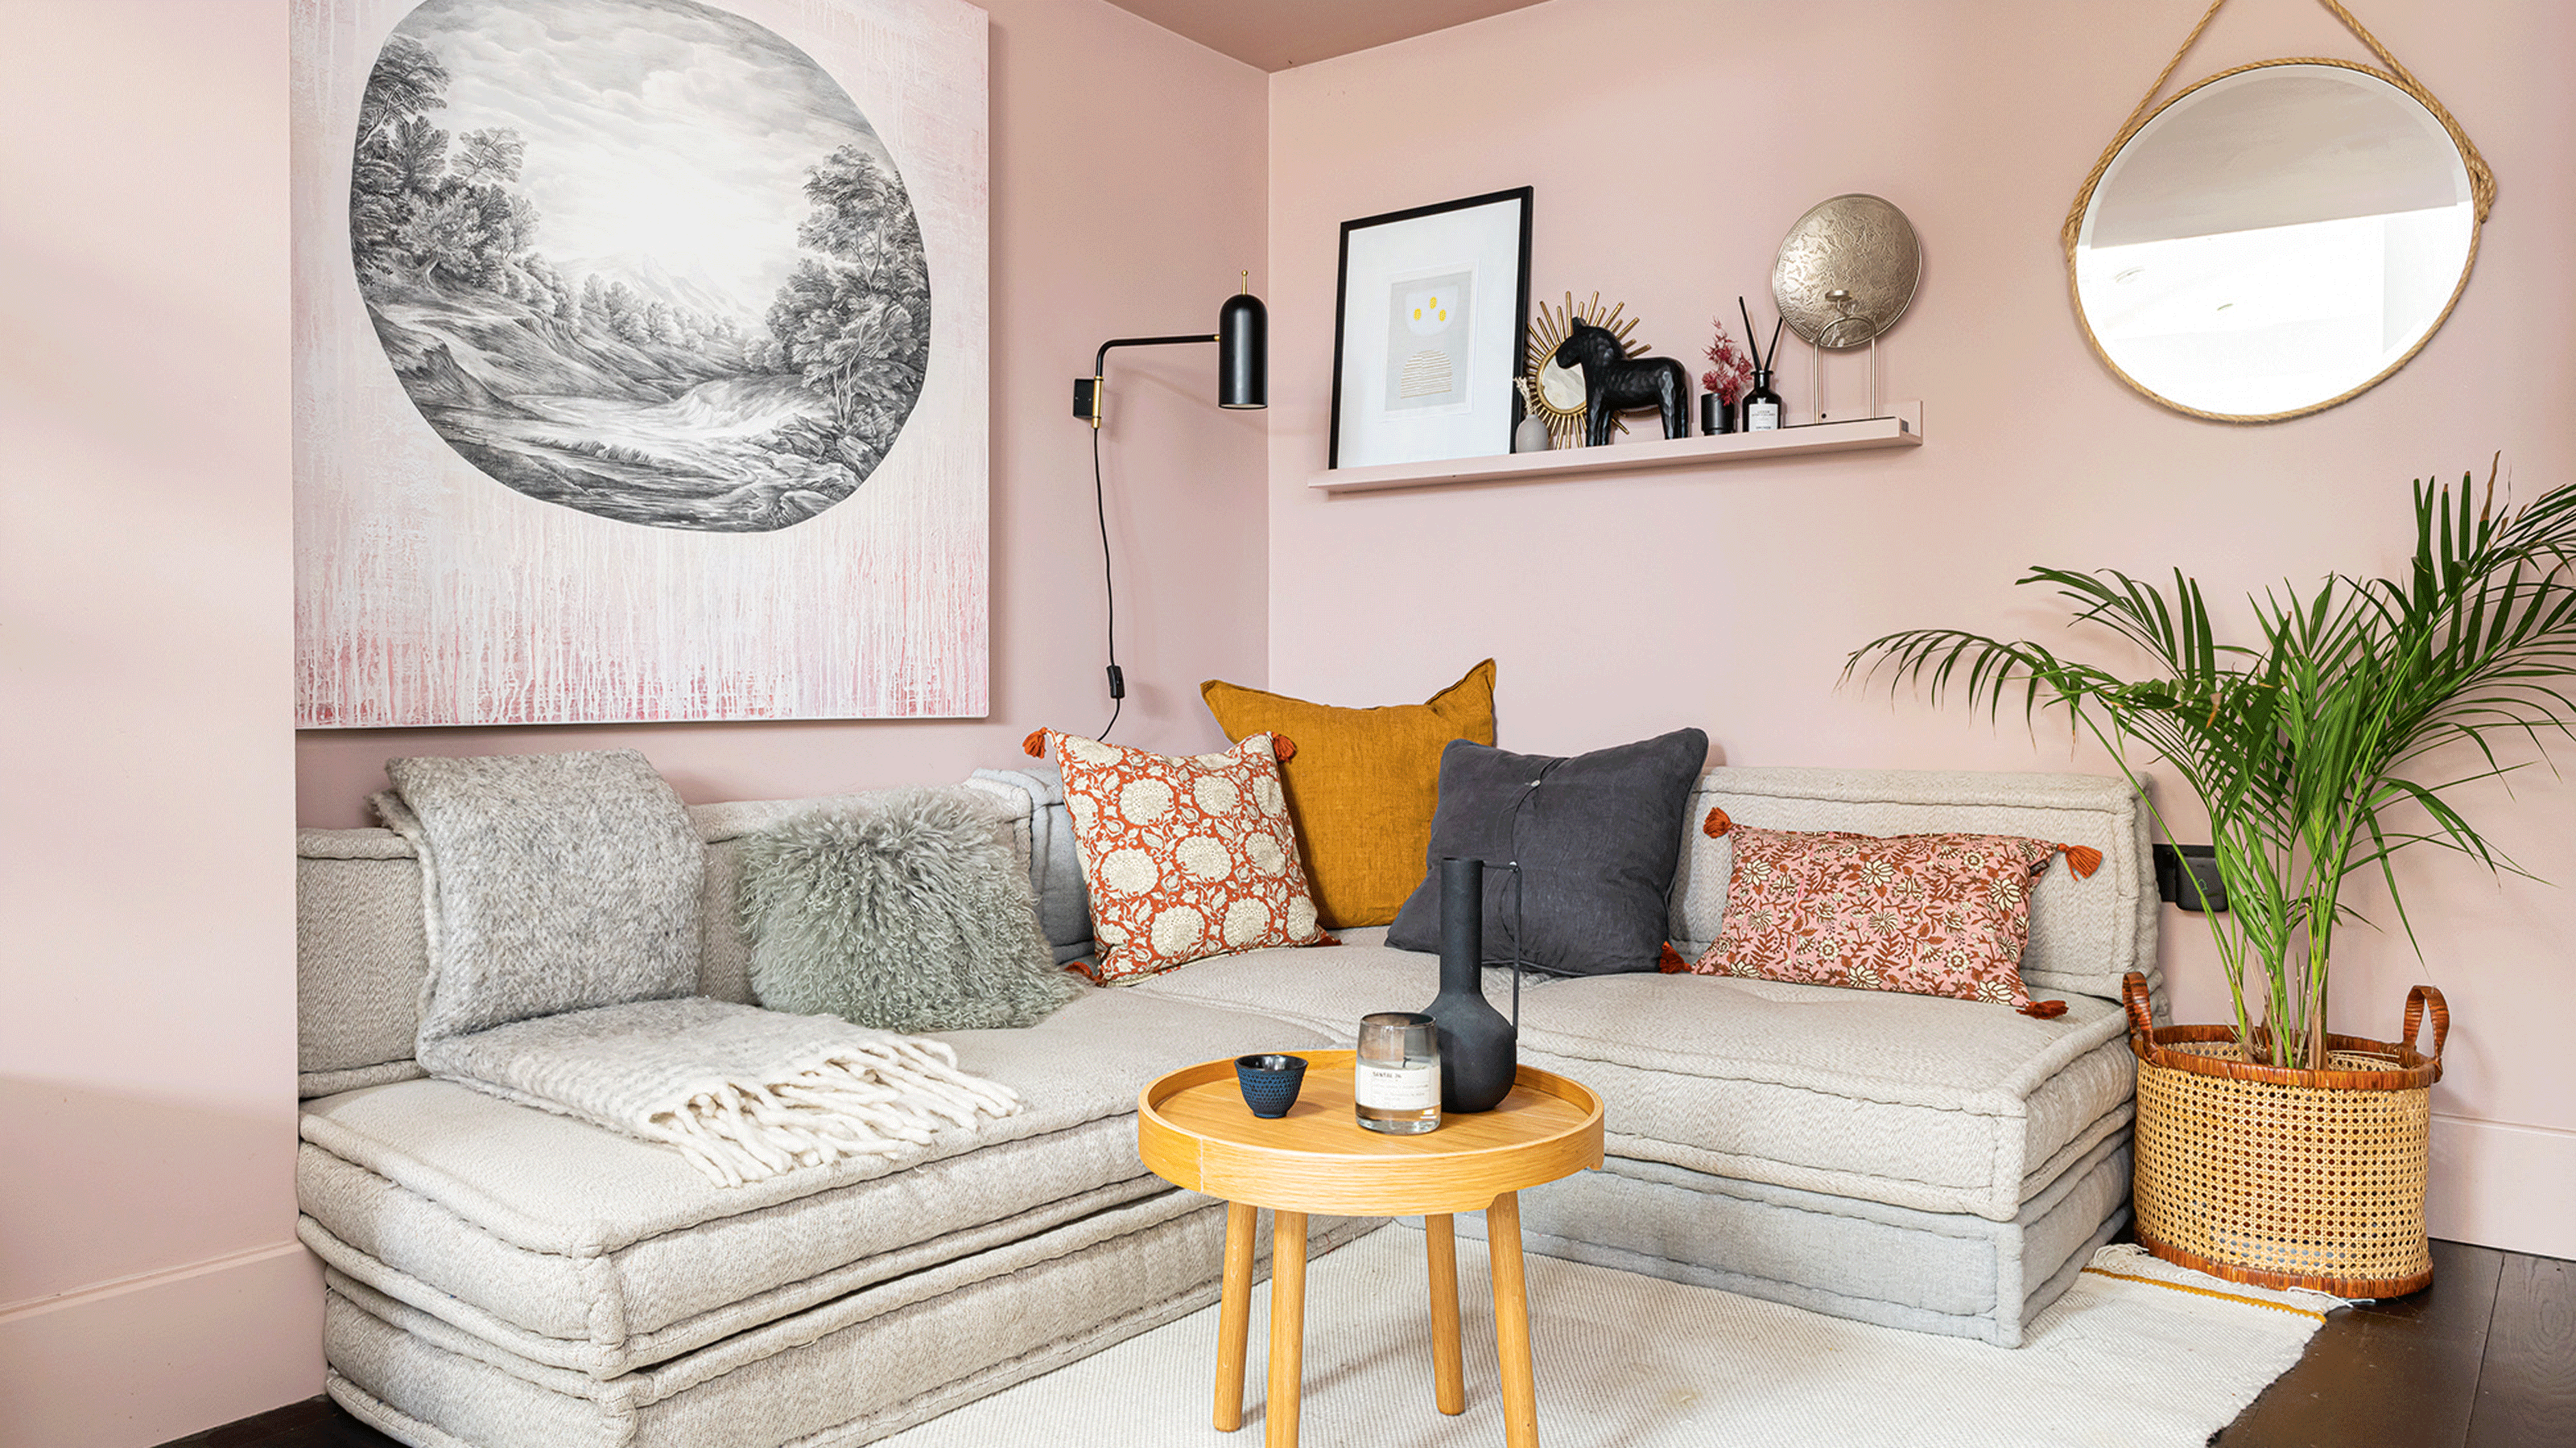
{"x": 2484, "y": 1358}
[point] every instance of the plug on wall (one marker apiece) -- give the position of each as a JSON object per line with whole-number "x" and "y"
{"x": 2187, "y": 875}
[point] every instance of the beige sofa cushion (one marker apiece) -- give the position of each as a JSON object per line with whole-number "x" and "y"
{"x": 848, "y": 1371}
{"x": 1325, "y": 988}
{"x": 1916, "y": 1101}
{"x": 2084, "y": 934}
{"x": 588, "y": 1251}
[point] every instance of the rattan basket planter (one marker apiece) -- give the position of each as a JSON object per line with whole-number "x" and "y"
{"x": 2282, "y": 1177}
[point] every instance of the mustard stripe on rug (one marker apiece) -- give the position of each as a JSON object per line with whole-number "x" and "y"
{"x": 2137, "y": 1353}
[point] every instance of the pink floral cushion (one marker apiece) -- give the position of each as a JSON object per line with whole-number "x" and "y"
{"x": 1184, "y": 858}
{"x": 1940, "y": 915}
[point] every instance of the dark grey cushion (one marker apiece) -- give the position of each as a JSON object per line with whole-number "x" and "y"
{"x": 1597, "y": 837}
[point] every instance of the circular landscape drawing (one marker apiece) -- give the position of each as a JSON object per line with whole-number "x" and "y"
{"x": 642, "y": 258}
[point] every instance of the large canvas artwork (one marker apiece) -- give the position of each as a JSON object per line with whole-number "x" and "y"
{"x": 641, "y": 349}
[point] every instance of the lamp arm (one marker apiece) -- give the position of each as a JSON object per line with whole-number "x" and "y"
{"x": 1100, "y": 359}
{"x": 1088, "y": 391}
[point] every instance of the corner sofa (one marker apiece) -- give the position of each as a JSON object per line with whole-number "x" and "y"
{"x": 504, "y": 1278}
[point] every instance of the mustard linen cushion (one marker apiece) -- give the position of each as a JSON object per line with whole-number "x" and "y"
{"x": 1364, "y": 785}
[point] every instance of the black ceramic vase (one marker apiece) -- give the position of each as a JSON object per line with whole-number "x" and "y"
{"x": 1478, "y": 1046}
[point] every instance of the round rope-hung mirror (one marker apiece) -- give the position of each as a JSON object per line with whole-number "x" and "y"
{"x": 1846, "y": 271}
{"x": 2275, "y": 240}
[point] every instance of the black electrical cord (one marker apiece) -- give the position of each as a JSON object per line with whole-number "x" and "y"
{"x": 1109, "y": 590}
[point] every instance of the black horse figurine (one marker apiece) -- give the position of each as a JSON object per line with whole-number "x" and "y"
{"x": 1615, "y": 382}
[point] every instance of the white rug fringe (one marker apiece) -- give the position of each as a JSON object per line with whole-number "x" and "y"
{"x": 868, "y": 1100}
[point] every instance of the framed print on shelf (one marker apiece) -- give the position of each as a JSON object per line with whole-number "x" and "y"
{"x": 1427, "y": 331}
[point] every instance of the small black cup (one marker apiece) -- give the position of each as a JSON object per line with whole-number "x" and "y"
{"x": 1715, "y": 416}
{"x": 1269, "y": 1083}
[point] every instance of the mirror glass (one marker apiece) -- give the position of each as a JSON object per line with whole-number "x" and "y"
{"x": 2274, "y": 241}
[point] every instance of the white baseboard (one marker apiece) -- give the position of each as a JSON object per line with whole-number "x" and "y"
{"x": 2503, "y": 1186}
{"x": 143, "y": 1360}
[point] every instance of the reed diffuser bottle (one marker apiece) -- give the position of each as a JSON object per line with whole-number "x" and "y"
{"x": 1761, "y": 408}
{"x": 1761, "y": 405}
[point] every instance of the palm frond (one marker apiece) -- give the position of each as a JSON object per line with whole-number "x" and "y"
{"x": 2297, "y": 746}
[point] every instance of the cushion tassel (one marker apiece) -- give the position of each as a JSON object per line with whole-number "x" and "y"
{"x": 2082, "y": 859}
{"x": 1670, "y": 962}
{"x": 1717, "y": 824}
{"x": 1035, "y": 745}
{"x": 1283, "y": 748}
{"x": 2044, "y": 1010}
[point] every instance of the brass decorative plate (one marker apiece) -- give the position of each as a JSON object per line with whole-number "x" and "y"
{"x": 1847, "y": 271}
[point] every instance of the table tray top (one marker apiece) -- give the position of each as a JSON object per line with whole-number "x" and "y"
{"x": 1193, "y": 1130}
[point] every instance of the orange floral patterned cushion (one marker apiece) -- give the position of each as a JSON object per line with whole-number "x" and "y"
{"x": 1940, "y": 915}
{"x": 1185, "y": 858}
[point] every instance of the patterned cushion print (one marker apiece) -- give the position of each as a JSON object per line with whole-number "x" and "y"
{"x": 1185, "y": 858}
{"x": 1939, "y": 915}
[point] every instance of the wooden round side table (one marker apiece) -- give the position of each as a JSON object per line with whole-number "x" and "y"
{"x": 1194, "y": 1131}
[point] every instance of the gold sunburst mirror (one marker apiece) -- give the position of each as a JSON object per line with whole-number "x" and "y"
{"x": 1553, "y": 394}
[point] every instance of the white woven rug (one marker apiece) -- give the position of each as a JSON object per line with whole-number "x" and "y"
{"x": 2154, "y": 1356}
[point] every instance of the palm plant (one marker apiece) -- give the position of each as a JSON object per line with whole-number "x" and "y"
{"x": 2302, "y": 748}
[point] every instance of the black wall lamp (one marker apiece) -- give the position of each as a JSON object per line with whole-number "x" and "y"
{"x": 1242, "y": 339}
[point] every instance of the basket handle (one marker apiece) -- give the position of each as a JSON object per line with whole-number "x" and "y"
{"x": 2142, "y": 1016}
{"x": 2416, "y": 1000}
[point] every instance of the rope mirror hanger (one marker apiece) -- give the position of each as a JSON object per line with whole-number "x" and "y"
{"x": 2213, "y": 240}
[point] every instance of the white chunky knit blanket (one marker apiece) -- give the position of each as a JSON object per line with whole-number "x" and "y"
{"x": 562, "y": 909}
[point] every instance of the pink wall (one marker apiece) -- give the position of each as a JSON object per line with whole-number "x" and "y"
{"x": 1671, "y": 143}
{"x": 150, "y": 1285}
{"x": 149, "y": 1282}
{"x": 1127, "y": 193}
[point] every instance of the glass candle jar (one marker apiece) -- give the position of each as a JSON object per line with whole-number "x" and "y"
{"x": 1396, "y": 1080}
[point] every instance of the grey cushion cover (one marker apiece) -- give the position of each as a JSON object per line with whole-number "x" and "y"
{"x": 363, "y": 946}
{"x": 1055, "y": 858}
{"x": 1325, "y": 989}
{"x": 1958, "y": 1275}
{"x": 1934, "y": 1104}
{"x": 589, "y": 1250}
{"x": 1596, "y": 837}
{"x": 1915, "y": 1101}
{"x": 849, "y": 1371}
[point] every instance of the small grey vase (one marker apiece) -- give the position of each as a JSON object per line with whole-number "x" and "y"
{"x": 1531, "y": 436}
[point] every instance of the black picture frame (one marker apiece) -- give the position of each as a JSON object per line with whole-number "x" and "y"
{"x": 1517, "y": 333}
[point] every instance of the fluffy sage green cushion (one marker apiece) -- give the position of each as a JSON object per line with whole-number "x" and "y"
{"x": 908, "y": 913}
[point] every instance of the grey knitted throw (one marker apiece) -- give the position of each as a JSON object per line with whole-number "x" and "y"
{"x": 562, "y": 909}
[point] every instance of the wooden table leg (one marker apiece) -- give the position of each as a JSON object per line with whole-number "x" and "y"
{"x": 1287, "y": 1326}
{"x": 1448, "y": 1372}
{"x": 1234, "y": 1316}
{"x": 1511, "y": 1322}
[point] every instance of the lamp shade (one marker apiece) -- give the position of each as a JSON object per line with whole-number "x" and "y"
{"x": 1243, "y": 352}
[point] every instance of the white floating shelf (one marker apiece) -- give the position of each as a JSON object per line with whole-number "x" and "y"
{"x": 1903, "y": 427}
